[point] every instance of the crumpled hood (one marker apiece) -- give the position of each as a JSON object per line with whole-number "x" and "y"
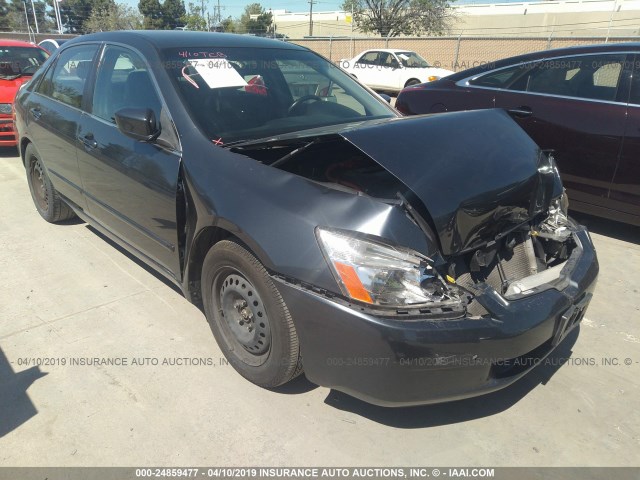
{"x": 477, "y": 173}
{"x": 9, "y": 88}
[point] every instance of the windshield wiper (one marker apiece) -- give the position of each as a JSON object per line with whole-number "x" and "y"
{"x": 236, "y": 142}
{"x": 10, "y": 77}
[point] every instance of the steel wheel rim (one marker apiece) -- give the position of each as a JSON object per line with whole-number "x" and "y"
{"x": 38, "y": 185}
{"x": 243, "y": 313}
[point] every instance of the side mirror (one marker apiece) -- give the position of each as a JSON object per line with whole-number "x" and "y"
{"x": 138, "y": 123}
{"x": 385, "y": 97}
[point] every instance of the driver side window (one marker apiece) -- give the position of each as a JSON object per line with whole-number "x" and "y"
{"x": 123, "y": 81}
{"x": 387, "y": 59}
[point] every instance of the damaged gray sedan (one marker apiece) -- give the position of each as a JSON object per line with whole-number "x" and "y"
{"x": 403, "y": 261}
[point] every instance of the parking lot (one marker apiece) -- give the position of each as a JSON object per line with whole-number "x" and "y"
{"x": 69, "y": 296}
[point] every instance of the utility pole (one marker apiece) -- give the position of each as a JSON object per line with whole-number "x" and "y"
{"x": 56, "y": 11}
{"x": 35, "y": 19}
{"x": 205, "y": 15}
{"x": 311, "y": 2}
{"x": 26, "y": 16}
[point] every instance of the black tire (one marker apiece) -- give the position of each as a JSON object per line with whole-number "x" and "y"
{"x": 412, "y": 81}
{"x": 45, "y": 197}
{"x": 238, "y": 294}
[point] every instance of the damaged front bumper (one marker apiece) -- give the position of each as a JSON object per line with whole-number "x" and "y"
{"x": 390, "y": 360}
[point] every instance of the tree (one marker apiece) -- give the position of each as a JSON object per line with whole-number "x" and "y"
{"x": 75, "y": 13}
{"x": 172, "y": 13}
{"x": 151, "y": 10}
{"x": 5, "y": 24}
{"x": 255, "y": 19}
{"x": 390, "y": 18}
{"x": 194, "y": 19}
{"x": 18, "y": 22}
{"x": 229, "y": 25}
{"x": 165, "y": 16}
{"x": 113, "y": 17}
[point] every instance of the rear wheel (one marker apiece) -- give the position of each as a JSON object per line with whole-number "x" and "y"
{"x": 248, "y": 317}
{"x": 48, "y": 202}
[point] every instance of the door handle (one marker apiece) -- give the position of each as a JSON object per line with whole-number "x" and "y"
{"x": 89, "y": 141}
{"x": 521, "y": 112}
{"x": 35, "y": 111}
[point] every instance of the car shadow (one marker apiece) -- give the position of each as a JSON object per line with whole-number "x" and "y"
{"x": 461, "y": 410}
{"x": 136, "y": 260}
{"x": 16, "y": 407}
{"x": 296, "y": 386}
{"x": 8, "y": 152}
{"x": 609, "y": 228}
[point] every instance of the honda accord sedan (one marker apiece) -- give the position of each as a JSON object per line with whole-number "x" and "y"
{"x": 306, "y": 218}
{"x": 582, "y": 102}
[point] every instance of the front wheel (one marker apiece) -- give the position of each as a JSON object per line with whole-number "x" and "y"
{"x": 412, "y": 81}
{"x": 46, "y": 198}
{"x": 248, "y": 317}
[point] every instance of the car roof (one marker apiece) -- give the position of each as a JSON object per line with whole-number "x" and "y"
{"x": 54, "y": 40}
{"x": 184, "y": 39}
{"x": 389, "y": 50}
{"x": 542, "y": 54}
{"x": 5, "y": 42}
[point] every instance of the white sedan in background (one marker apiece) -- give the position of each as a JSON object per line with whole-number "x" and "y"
{"x": 392, "y": 69}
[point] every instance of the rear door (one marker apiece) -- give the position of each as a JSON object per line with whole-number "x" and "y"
{"x": 365, "y": 68}
{"x": 576, "y": 106}
{"x": 131, "y": 186}
{"x": 625, "y": 188}
{"x": 54, "y": 112}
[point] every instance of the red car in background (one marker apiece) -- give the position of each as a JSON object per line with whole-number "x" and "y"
{"x": 18, "y": 62}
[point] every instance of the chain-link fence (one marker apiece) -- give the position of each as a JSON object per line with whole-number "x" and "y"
{"x": 453, "y": 53}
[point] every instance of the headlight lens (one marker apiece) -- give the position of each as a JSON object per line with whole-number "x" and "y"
{"x": 379, "y": 274}
{"x": 6, "y": 108}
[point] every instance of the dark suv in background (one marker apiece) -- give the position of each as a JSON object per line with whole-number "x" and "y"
{"x": 581, "y": 102}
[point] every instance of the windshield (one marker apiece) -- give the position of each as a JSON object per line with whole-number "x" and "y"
{"x": 237, "y": 94}
{"x": 412, "y": 60}
{"x": 18, "y": 61}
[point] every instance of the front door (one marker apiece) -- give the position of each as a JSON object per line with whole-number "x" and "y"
{"x": 131, "y": 186}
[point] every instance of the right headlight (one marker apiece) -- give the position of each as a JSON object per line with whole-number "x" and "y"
{"x": 378, "y": 274}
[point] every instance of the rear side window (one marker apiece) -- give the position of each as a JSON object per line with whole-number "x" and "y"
{"x": 65, "y": 82}
{"x": 370, "y": 58}
{"x": 593, "y": 77}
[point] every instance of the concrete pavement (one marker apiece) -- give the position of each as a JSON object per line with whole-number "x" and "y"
{"x": 67, "y": 294}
